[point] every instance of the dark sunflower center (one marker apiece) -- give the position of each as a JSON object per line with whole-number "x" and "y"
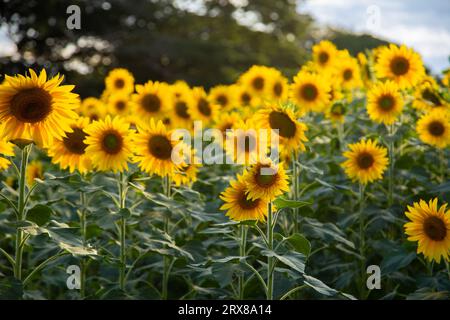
{"x": 119, "y": 83}
{"x": 309, "y": 92}
{"x": 203, "y": 107}
{"x": 245, "y": 98}
{"x": 166, "y": 121}
{"x": 323, "y": 57}
{"x": 120, "y": 105}
{"x": 151, "y": 103}
{"x": 399, "y": 66}
{"x": 386, "y": 103}
{"x": 112, "y": 142}
{"x": 277, "y": 89}
{"x": 282, "y": 122}
{"x": 365, "y": 160}
{"x": 258, "y": 83}
{"x": 348, "y": 74}
{"x": 246, "y": 203}
{"x": 222, "y": 100}
{"x": 74, "y": 142}
{"x": 431, "y": 97}
{"x": 94, "y": 117}
{"x": 160, "y": 147}
{"x": 31, "y": 105}
{"x": 182, "y": 110}
{"x": 266, "y": 180}
{"x": 435, "y": 228}
{"x": 436, "y": 128}
{"x": 338, "y": 109}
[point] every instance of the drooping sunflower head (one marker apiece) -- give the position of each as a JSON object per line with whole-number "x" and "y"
{"x": 151, "y": 100}
{"x": 93, "y": 108}
{"x": 157, "y": 152}
{"x": 256, "y": 80}
{"x": 266, "y": 180}
{"x": 34, "y": 108}
{"x": 384, "y": 102}
{"x": 430, "y": 227}
{"x": 6, "y": 149}
{"x": 34, "y": 171}
{"x": 336, "y": 112}
{"x": 291, "y": 132}
{"x": 324, "y": 54}
{"x": 310, "y": 92}
{"x": 427, "y": 97}
{"x": 366, "y": 161}
{"x": 70, "y": 152}
{"x": 118, "y": 104}
{"x": 222, "y": 96}
{"x": 201, "y": 108}
{"x": 401, "y": 65}
{"x": 109, "y": 144}
{"x": 434, "y": 128}
{"x": 239, "y": 206}
{"x": 119, "y": 80}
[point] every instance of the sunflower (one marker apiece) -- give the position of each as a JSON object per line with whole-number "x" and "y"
{"x": 201, "y": 108}
{"x": 118, "y": 104}
{"x": 256, "y": 80}
{"x": 93, "y": 108}
{"x": 384, "y": 102}
{"x": 152, "y": 100}
{"x": 6, "y": 149}
{"x": 245, "y": 143}
{"x": 223, "y": 96}
{"x": 310, "y": 92}
{"x": 34, "y": 108}
{"x": 291, "y": 132}
{"x": 109, "y": 144}
{"x": 34, "y": 171}
{"x": 119, "y": 80}
{"x": 266, "y": 180}
{"x": 336, "y": 112}
{"x": 427, "y": 98}
{"x": 187, "y": 174}
{"x": 348, "y": 73}
{"x": 226, "y": 120}
{"x": 324, "y": 55}
{"x": 430, "y": 226}
{"x": 155, "y": 150}
{"x": 182, "y": 103}
{"x": 71, "y": 150}
{"x": 244, "y": 97}
{"x": 400, "y": 64}
{"x": 434, "y": 128}
{"x": 239, "y": 206}
{"x": 277, "y": 86}
{"x": 366, "y": 161}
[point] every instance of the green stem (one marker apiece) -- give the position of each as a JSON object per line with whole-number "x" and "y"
{"x": 123, "y": 225}
{"x": 83, "y": 227}
{"x": 166, "y": 259}
{"x": 391, "y": 165}
{"x": 242, "y": 253}
{"x": 295, "y": 191}
{"x": 361, "y": 237}
{"x": 21, "y": 212}
{"x": 285, "y": 296}
{"x": 270, "y": 262}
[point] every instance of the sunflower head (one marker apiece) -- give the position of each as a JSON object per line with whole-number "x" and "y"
{"x": 310, "y": 92}
{"x": 434, "y": 128}
{"x": 324, "y": 54}
{"x": 93, "y": 108}
{"x": 118, "y": 104}
{"x": 430, "y": 226}
{"x": 36, "y": 108}
{"x": 239, "y": 206}
{"x": 366, "y": 161}
{"x": 6, "y": 149}
{"x": 109, "y": 143}
{"x": 119, "y": 80}
{"x": 399, "y": 64}
{"x": 336, "y": 112}
{"x": 223, "y": 96}
{"x": 256, "y": 79}
{"x": 201, "y": 108}
{"x": 384, "y": 102}
{"x": 151, "y": 100}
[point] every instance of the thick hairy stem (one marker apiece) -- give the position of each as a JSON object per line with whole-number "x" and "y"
{"x": 242, "y": 251}
{"x": 123, "y": 225}
{"x": 361, "y": 237}
{"x": 166, "y": 259}
{"x": 270, "y": 262}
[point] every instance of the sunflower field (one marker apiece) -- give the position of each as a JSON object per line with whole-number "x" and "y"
{"x": 330, "y": 185}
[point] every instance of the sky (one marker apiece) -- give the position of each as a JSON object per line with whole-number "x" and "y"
{"x": 422, "y": 25}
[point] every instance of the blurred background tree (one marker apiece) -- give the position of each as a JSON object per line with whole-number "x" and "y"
{"x": 204, "y": 42}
